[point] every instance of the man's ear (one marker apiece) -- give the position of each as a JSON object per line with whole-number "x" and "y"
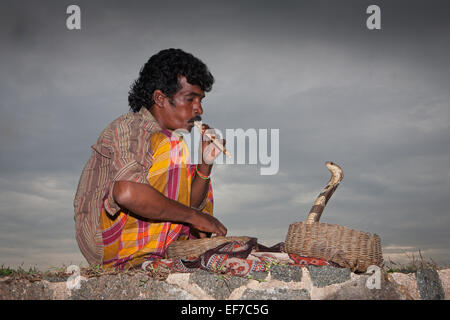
{"x": 158, "y": 98}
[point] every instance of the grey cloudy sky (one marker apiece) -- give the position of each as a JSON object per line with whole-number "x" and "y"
{"x": 375, "y": 102}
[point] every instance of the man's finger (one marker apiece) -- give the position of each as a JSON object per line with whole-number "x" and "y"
{"x": 204, "y": 128}
{"x": 223, "y": 230}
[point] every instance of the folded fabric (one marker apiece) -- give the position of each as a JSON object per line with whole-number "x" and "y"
{"x": 237, "y": 258}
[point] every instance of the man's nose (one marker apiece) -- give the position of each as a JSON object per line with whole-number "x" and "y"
{"x": 198, "y": 110}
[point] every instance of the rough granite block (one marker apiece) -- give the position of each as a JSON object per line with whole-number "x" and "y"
{"x": 123, "y": 287}
{"x": 216, "y": 285}
{"x": 275, "y": 294}
{"x": 257, "y": 275}
{"x": 286, "y": 273}
{"x": 327, "y": 275}
{"x": 429, "y": 284}
{"x": 24, "y": 290}
{"x": 357, "y": 289}
{"x": 161, "y": 290}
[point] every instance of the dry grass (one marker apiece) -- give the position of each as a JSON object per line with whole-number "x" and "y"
{"x": 414, "y": 263}
{"x": 61, "y": 274}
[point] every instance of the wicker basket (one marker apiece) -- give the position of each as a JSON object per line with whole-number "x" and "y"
{"x": 349, "y": 248}
{"x": 193, "y": 248}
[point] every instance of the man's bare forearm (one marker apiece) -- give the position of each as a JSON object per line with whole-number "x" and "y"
{"x": 199, "y": 186}
{"x": 149, "y": 203}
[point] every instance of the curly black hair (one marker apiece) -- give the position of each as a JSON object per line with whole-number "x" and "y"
{"x": 162, "y": 71}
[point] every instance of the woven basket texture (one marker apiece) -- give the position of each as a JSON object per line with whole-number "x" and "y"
{"x": 349, "y": 248}
{"x": 193, "y": 248}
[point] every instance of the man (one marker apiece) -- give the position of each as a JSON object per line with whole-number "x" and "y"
{"x": 137, "y": 192}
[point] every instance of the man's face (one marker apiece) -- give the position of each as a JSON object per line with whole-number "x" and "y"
{"x": 183, "y": 106}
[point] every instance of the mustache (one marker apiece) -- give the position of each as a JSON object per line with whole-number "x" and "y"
{"x": 196, "y": 118}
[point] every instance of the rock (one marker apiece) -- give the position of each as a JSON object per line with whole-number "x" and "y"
{"x": 11, "y": 289}
{"x": 257, "y": 275}
{"x": 444, "y": 275}
{"x": 408, "y": 281}
{"x": 55, "y": 278}
{"x": 358, "y": 289}
{"x": 216, "y": 285}
{"x": 284, "y": 283}
{"x": 125, "y": 287}
{"x": 429, "y": 284}
{"x": 286, "y": 273}
{"x": 103, "y": 288}
{"x": 160, "y": 290}
{"x": 328, "y": 275}
{"x": 275, "y": 294}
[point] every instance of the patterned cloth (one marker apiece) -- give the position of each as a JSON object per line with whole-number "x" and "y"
{"x": 237, "y": 258}
{"x": 128, "y": 241}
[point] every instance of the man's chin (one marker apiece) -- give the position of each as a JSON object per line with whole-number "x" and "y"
{"x": 190, "y": 126}
{"x": 187, "y": 129}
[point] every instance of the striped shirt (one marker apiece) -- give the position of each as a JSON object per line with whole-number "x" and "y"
{"x": 126, "y": 150}
{"x": 128, "y": 240}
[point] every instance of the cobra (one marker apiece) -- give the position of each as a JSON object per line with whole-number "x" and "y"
{"x": 336, "y": 177}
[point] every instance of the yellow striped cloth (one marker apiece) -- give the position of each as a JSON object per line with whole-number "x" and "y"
{"x": 127, "y": 240}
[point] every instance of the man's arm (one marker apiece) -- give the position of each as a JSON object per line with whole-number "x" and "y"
{"x": 199, "y": 186}
{"x": 208, "y": 152}
{"x": 147, "y": 202}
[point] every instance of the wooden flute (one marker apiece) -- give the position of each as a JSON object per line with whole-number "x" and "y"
{"x": 213, "y": 140}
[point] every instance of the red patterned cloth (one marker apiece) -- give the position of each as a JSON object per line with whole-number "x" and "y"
{"x": 237, "y": 258}
{"x": 304, "y": 261}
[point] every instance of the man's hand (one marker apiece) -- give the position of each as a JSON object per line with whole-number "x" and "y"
{"x": 209, "y": 152}
{"x": 145, "y": 201}
{"x": 207, "y": 223}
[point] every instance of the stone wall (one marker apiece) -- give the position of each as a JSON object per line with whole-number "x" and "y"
{"x": 280, "y": 283}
